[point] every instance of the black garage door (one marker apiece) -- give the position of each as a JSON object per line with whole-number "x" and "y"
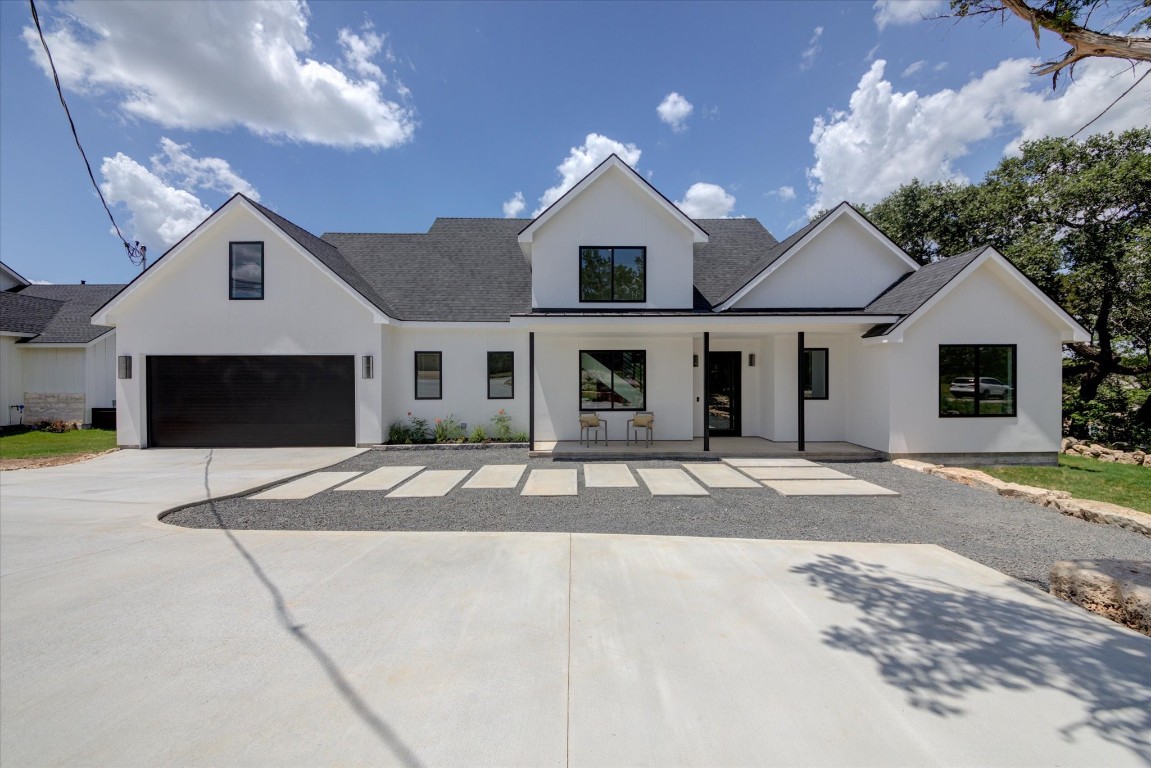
{"x": 251, "y": 402}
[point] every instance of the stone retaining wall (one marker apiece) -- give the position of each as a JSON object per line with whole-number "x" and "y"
{"x": 53, "y": 406}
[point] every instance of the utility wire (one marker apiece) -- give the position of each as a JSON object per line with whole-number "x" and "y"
{"x": 1101, "y": 114}
{"x": 137, "y": 253}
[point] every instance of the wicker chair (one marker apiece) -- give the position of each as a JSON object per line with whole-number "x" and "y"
{"x": 645, "y": 421}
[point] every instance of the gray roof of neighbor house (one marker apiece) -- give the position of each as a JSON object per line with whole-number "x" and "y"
{"x": 913, "y": 291}
{"x": 59, "y": 314}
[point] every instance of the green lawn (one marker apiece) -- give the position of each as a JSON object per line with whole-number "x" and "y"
{"x": 1086, "y": 478}
{"x": 34, "y": 444}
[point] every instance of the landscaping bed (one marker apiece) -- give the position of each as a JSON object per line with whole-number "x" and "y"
{"x": 1128, "y": 485}
{"x": 28, "y": 448}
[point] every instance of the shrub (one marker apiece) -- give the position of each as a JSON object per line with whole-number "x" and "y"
{"x": 420, "y": 429}
{"x": 502, "y": 426}
{"x": 519, "y": 437}
{"x": 479, "y": 434}
{"x": 448, "y": 430}
{"x": 59, "y": 425}
{"x": 399, "y": 433}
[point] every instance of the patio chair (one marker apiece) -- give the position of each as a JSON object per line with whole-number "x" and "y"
{"x": 645, "y": 421}
{"x": 591, "y": 423}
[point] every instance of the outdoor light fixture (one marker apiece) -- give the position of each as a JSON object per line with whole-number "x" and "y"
{"x": 751, "y": 360}
{"x": 368, "y": 372}
{"x": 695, "y": 361}
{"x": 124, "y": 367}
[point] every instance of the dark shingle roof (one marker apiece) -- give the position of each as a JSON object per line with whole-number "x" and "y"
{"x": 914, "y": 290}
{"x": 462, "y": 270}
{"x": 734, "y": 246}
{"x": 328, "y": 255}
{"x": 26, "y": 314}
{"x": 72, "y": 322}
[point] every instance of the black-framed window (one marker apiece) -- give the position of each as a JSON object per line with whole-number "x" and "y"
{"x": 613, "y": 379}
{"x": 815, "y": 373}
{"x": 429, "y": 376}
{"x": 977, "y": 380}
{"x": 612, "y": 273}
{"x": 245, "y": 271}
{"x": 501, "y": 375}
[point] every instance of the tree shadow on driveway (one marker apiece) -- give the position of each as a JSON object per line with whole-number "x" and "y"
{"x": 940, "y": 643}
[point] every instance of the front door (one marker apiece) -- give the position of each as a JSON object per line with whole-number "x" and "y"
{"x": 723, "y": 393}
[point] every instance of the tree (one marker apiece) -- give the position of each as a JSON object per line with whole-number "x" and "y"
{"x": 1070, "y": 19}
{"x": 1076, "y": 218}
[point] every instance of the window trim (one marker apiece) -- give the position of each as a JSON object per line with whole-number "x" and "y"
{"x": 231, "y": 256}
{"x": 613, "y": 409}
{"x": 491, "y": 352}
{"x": 416, "y": 373}
{"x": 978, "y": 374}
{"x": 826, "y": 373}
{"x": 613, "y": 249}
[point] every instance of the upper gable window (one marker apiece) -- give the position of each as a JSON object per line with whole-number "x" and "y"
{"x": 612, "y": 273}
{"x": 245, "y": 270}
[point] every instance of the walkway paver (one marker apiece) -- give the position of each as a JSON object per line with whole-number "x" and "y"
{"x": 608, "y": 476}
{"x": 670, "y": 482}
{"x": 381, "y": 479}
{"x": 753, "y": 462}
{"x": 550, "y": 482}
{"x": 795, "y": 473}
{"x": 717, "y": 475}
{"x": 306, "y": 486}
{"x": 496, "y": 476}
{"x": 436, "y": 482}
{"x": 827, "y": 488}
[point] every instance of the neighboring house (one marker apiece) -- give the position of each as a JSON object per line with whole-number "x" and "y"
{"x": 252, "y": 331}
{"x": 53, "y": 361}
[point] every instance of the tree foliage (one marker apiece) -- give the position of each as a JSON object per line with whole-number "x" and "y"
{"x": 1092, "y": 28}
{"x": 1075, "y": 217}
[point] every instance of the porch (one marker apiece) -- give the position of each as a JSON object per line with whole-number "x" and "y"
{"x": 721, "y": 447}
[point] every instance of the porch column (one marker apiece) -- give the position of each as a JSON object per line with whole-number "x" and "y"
{"x": 802, "y": 401}
{"x": 706, "y": 390}
{"x": 531, "y": 390}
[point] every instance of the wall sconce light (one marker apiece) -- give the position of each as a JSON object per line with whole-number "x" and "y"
{"x": 751, "y": 360}
{"x": 368, "y": 368}
{"x": 124, "y": 367}
{"x": 695, "y": 361}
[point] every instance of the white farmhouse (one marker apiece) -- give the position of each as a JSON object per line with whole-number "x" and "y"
{"x": 252, "y": 331}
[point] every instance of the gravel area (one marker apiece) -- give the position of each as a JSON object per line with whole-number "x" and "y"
{"x": 1017, "y": 538}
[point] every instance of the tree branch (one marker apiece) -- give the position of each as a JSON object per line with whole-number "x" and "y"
{"x": 1085, "y": 43}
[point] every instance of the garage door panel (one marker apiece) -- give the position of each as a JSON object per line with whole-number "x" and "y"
{"x": 251, "y": 401}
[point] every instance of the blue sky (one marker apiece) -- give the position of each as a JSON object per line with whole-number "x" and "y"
{"x": 380, "y": 117}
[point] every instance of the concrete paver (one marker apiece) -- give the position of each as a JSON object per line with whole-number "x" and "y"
{"x": 754, "y": 462}
{"x": 795, "y": 473}
{"x": 550, "y": 482}
{"x": 436, "y": 482}
{"x": 716, "y": 475}
{"x": 608, "y": 476}
{"x": 670, "y": 482}
{"x": 828, "y": 488}
{"x": 496, "y": 476}
{"x": 382, "y": 479}
{"x": 306, "y": 486}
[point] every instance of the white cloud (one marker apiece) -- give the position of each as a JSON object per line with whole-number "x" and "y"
{"x": 161, "y": 207}
{"x": 675, "y": 110}
{"x": 220, "y": 65}
{"x": 914, "y": 67}
{"x": 807, "y": 58}
{"x": 706, "y": 201}
{"x": 515, "y": 206}
{"x": 582, "y": 160}
{"x": 900, "y": 12}
{"x": 42, "y": 282}
{"x": 784, "y": 193}
{"x": 870, "y": 57}
{"x": 886, "y": 138}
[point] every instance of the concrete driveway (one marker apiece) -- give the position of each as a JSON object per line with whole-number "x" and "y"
{"x": 129, "y": 642}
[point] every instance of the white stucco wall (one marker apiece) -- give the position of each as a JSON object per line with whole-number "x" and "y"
{"x": 986, "y": 308}
{"x": 11, "y": 377}
{"x": 100, "y": 373}
{"x": 464, "y": 369}
{"x": 669, "y": 385}
{"x": 868, "y": 402}
{"x": 612, "y": 211}
{"x": 184, "y": 309}
{"x": 845, "y": 265}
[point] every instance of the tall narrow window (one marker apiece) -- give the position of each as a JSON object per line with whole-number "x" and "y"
{"x": 815, "y": 374}
{"x": 245, "y": 270}
{"x": 613, "y": 274}
{"x": 501, "y": 367}
{"x": 613, "y": 380}
{"x": 429, "y": 376}
{"x": 977, "y": 380}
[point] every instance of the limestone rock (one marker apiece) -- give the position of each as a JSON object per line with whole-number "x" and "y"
{"x": 918, "y": 466}
{"x": 1117, "y": 589}
{"x": 1126, "y": 458}
{"x": 971, "y": 477}
{"x": 1104, "y": 512}
{"x": 1042, "y": 496}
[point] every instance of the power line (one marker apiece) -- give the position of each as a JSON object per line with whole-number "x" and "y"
{"x": 137, "y": 254}
{"x": 1101, "y": 114}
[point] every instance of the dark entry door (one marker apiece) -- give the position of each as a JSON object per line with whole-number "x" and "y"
{"x": 723, "y": 399}
{"x": 253, "y": 401}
